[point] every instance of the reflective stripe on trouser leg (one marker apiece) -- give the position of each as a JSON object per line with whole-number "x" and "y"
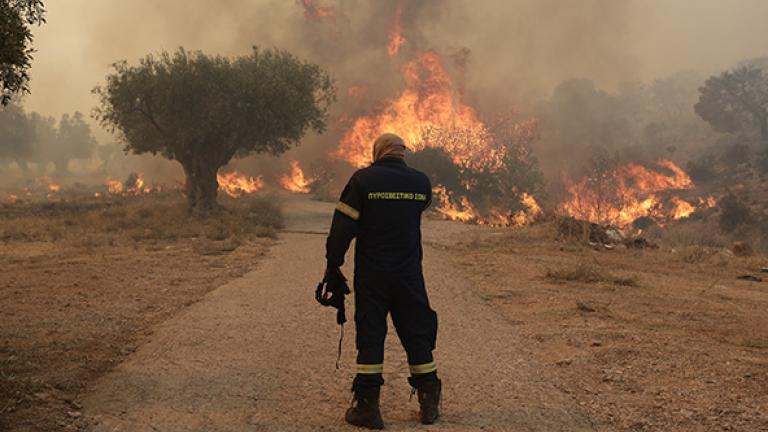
{"x": 371, "y": 308}
{"x": 424, "y": 368}
{"x": 370, "y": 369}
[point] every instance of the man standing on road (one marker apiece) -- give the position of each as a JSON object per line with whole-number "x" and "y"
{"x": 382, "y": 206}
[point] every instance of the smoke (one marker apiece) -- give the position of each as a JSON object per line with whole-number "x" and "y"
{"x": 508, "y": 54}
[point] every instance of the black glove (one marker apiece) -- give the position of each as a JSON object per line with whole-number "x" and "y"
{"x": 331, "y": 291}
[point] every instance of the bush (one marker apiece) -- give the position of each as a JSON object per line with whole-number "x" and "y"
{"x": 702, "y": 170}
{"x": 437, "y": 164}
{"x": 736, "y": 154}
{"x": 734, "y": 213}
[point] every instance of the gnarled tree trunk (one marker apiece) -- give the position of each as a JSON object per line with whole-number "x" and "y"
{"x": 201, "y": 186}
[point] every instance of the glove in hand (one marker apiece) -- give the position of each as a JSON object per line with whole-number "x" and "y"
{"x": 331, "y": 291}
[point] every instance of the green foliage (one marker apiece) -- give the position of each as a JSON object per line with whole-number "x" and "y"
{"x": 203, "y": 110}
{"x": 15, "y": 44}
{"x": 73, "y": 141}
{"x": 438, "y": 165}
{"x": 499, "y": 187}
{"x": 36, "y": 138}
{"x": 16, "y": 132}
{"x": 736, "y": 101}
{"x": 189, "y": 105}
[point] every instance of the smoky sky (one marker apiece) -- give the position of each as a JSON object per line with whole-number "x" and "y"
{"x": 514, "y": 49}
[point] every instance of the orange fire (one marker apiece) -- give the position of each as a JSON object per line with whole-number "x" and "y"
{"x": 681, "y": 209}
{"x": 396, "y": 39}
{"x": 115, "y": 187}
{"x": 236, "y": 185}
{"x": 297, "y": 182}
{"x": 134, "y": 185}
{"x": 630, "y": 192}
{"x": 357, "y": 92}
{"x": 312, "y": 10}
{"x": 430, "y": 102}
{"x": 446, "y": 206}
{"x": 531, "y": 213}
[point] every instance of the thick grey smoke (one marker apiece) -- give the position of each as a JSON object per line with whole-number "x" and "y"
{"x": 514, "y": 51}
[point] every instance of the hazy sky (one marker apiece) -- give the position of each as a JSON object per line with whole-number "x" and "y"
{"x": 521, "y": 45}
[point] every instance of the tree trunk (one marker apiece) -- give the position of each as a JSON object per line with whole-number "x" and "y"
{"x": 201, "y": 187}
{"x": 764, "y": 129}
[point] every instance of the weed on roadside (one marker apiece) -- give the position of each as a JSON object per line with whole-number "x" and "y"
{"x": 588, "y": 273}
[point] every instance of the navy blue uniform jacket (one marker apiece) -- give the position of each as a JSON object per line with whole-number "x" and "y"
{"x": 381, "y": 206}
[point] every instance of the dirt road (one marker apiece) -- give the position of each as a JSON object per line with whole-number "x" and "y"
{"x": 258, "y": 354}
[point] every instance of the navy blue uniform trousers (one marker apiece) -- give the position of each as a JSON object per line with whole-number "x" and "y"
{"x": 405, "y": 298}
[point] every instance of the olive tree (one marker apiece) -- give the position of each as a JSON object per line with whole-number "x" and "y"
{"x": 203, "y": 110}
{"x": 16, "y": 135}
{"x": 16, "y": 16}
{"x": 736, "y": 100}
{"x": 73, "y": 141}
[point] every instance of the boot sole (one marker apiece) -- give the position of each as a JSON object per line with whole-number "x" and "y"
{"x": 378, "y": 426}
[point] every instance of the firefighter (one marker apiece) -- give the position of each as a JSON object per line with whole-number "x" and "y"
{"x": 381, "y": 206}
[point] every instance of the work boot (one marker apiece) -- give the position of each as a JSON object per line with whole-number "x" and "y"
{"x": 364, "y": 411}
{"x": 429, "y": 401}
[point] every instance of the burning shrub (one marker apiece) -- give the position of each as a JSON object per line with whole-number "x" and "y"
{"x": 619, "y": 194}
{"x": 438, "y": 165}
{"x": 734, "y": 213}
{"x": 500, "y": 192}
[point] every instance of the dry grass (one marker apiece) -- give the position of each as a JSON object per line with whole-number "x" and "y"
{"x": 587, "y": 273}
{"x": 693, "y": 336}
{"x": 88, "y": 277}
{"x": 157, "y": 217}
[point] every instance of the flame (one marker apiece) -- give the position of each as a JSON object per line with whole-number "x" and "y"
{"x": 312, "y": 10}
{"x": 133, "y": 185}
{"x": 236, "y": 185}
{"x": 396, "y": 39}
{"x": 682, "y": 209}
{"x": 709, "y": 202}
{"x": 630, "y": 192}
{"x": 54, "y": 188}
{"x": 463, "y": 210}
{"x": 449, "y": 209}
{"x": 297, "y": 182}
{"x": 429, "y": 106}
{"x": 531, "y": 213}
{"x": 114, "y": 187}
